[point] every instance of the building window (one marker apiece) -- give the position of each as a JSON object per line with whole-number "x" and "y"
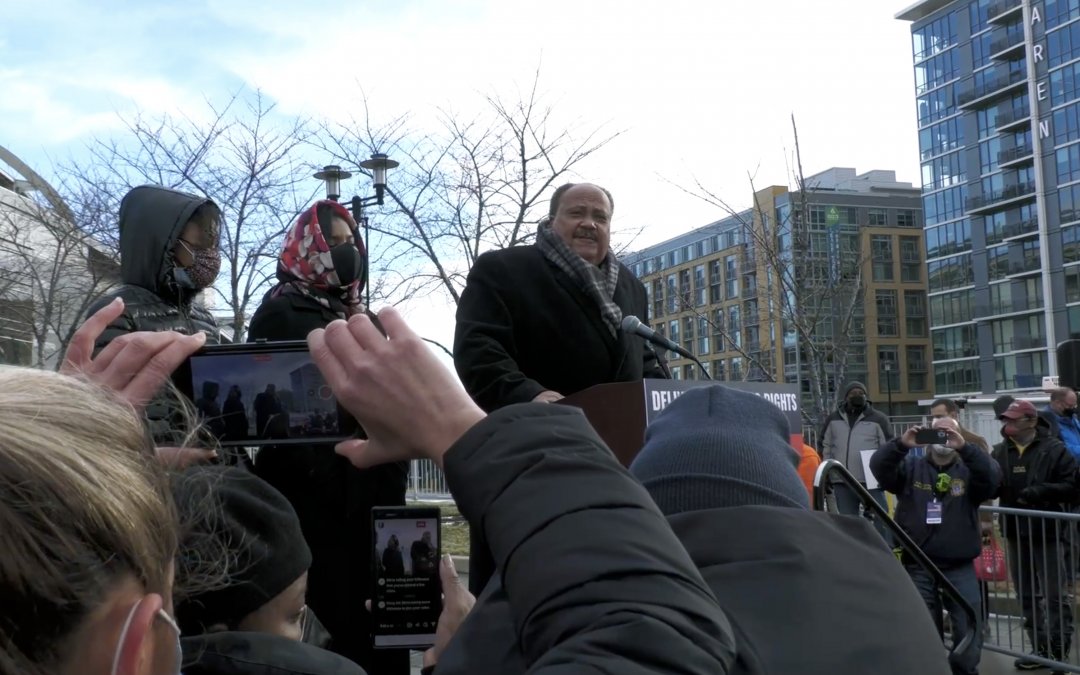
{"x": 956, "y": 378}
{"x": 889, "y": 357}
{"x": 910, "y": 261}
{"x": 734, "y": 327}
{"x": 672, "y": 294}
{"x": 731, "y": 277}
{"x": 719, "y": 370}
{"x": 955, "y": 343}
{"x": 688, "y": 334}
{"x": 950, "y": 308}
{"x": 877, "y": 218}
{"x": 16, "y": 332}
{"x": 934, "y": 37}
{"x": 673, "y": 335}
{"x": 905, "y": 218}
{"x": 947, "y": 239}
{"x": 882, "y": 257}
{"x": 1061, "y": 11}
{"x": 718, "y": 329}
{"x": 688, "y": 372}
{"x": 716, "y": 281}
{"x": 1020, "y": 371}
{"x": 915, "y": 313}
{"x": 886, "y": 314}
{"x": 916, "y": 368}
{"x": 949, "y": 273}
{"x": 700, "y": 286}
{"x": 684, "y": 289}
{"x": 657, "y": 298}
{"x": 703, "y": 336}
{"x": 736, "y": 369}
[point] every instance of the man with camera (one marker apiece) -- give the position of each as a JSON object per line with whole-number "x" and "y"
{"x": 937, "y": 504}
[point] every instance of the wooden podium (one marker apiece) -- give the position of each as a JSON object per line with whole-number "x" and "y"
{"x": 621, "y": 411}
{"x": 617, "y": 412}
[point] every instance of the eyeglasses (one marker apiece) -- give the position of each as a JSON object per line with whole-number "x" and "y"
{"x": 163, "y": 616}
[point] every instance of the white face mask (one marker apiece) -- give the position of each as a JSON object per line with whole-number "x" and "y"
{"x": 941, "y": 450}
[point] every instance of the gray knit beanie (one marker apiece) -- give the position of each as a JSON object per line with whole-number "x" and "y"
{"x": 716, "y": 447}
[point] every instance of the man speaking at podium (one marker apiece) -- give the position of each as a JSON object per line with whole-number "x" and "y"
{"x": 540, "y": 322}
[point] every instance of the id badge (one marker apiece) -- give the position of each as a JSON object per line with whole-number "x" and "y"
{"x": 933, "y": 513}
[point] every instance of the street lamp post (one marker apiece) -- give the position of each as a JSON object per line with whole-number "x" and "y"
{"x": 887, "y": 367}
{"x": 333, "y": 174}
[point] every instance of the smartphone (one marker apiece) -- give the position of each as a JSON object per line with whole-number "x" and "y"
{"x": 263, "y": 393}
{"x": 406, "y": 597}
{"x": 931, "y": 437}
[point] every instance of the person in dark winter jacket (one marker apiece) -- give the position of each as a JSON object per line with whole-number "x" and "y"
{"x": 210, "y": 410}
{"x": 235, "y": 415}
{"x": 321, "y": 272}
{"x": 719, "y": 464}
{"x": 1039, "y": 473}
{"x": 393, "y": 562}
{"x": 938, "y": 498}
{"x": 594, "y": 580}
{"x": 168, "y": 254}
{"x": 853, "y": 427}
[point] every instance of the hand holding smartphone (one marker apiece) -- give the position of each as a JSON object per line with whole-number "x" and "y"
{"x": 406, "y": 597}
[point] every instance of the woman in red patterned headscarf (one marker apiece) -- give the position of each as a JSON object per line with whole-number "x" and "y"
{"x": 321, "y": 272}
{"x": 323, "y": 260}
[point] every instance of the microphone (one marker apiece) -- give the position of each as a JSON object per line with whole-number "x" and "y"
{"x": 632, "y": 324}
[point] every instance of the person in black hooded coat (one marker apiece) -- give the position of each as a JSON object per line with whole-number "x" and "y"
{"x": 168, "y": 254}
{"x": 321, "y": 270}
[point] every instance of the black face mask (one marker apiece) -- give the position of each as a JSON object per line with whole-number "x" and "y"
{"x": 857, "y": 401}
{"x": 1068, "y": 412}
{"x": 348, "y": 263}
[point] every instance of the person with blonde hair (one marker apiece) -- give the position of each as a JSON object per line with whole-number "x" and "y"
{"x": 87, "y": 526}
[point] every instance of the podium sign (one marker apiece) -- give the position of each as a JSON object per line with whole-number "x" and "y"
{"x": 621, "y": 411}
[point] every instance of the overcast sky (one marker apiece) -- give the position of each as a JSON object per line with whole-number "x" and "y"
{"x": 704, "y": 89}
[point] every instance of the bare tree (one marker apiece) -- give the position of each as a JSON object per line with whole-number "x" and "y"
{"x": 53, "y": 269}
{"x": 815, "y": 272}
{"x": 475, "y": 185}
{"x": 244, "y": 156}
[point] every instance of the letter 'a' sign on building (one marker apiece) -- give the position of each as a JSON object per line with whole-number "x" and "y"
{"x": 659, "y": 393}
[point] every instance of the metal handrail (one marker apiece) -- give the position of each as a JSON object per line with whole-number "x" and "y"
{"x": 831, "y": 467}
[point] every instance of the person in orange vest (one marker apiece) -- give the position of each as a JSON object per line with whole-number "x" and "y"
{"x": 808, "y": 465}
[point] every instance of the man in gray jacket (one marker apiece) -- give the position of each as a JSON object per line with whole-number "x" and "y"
{"x": 853, "y": 427}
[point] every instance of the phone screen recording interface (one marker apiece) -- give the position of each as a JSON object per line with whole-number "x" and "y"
{"x": 406, "y": 600}
{"x": 263, "y": 394}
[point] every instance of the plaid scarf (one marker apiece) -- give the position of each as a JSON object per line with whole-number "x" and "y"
{"x": 597, "y": 282}
{"x": 306, "y": 268}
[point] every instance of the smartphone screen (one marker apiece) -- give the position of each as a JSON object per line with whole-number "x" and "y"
{"x": 263, "y": 394}
{"x": 407, "y": 598}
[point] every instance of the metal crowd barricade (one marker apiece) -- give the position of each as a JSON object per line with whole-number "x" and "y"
{"x": 875, "y": 513}
{"x": 1030, "y": 614}
{"x": 427, "y": 482}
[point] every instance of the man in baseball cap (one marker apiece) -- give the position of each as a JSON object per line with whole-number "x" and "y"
{"x": 1041, "y": 475}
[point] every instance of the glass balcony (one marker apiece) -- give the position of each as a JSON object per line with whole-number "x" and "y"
{"x": 998, "y": 198}
{"x": 1010, "y": 119}
{"x": 1017, "y": 155}
{"x": 990, "y": 89}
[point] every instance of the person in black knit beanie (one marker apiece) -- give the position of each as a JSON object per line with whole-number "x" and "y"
{"x": 241, "y": 579}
